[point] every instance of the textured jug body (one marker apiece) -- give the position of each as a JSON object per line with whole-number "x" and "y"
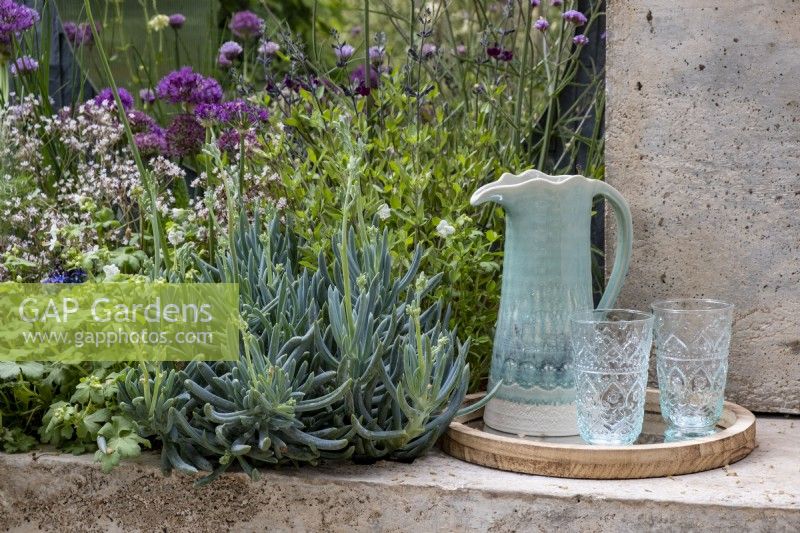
{"x": 546, "y": 278}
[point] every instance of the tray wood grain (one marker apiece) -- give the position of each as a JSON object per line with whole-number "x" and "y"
{"x": 467, "y": 440}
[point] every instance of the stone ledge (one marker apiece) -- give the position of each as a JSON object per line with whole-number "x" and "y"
{"x": 55, "y": 492}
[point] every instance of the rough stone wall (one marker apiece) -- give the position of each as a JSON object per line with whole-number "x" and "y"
{"x": 703, "y": 139}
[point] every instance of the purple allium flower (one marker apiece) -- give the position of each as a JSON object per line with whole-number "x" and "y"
{"x": 575, "y": 17}
{"x": 78, "y": 34}
{"x": 506, "y": 55}
{"x": 429, "y": 50}
{"x": 268, "y": 48}
{"x": 541, "y": 24}
{"x": 376, "y": 54}
{"x": 246, "y": 24}
{"x": 230, "y": 49}
{"x": 140, "y": 121}
{"x": 461, "y": 50}
{"x": 15, "y": 19}
{"x": 343, "y": 53}
{"x": 76, "y": 275}
{"x": 358, "y": 80}
{"x": 187, "y": 86}
{"x": 185, "y": 136}
{"x": 176, "y": 21}
{"x": 229, "y": 140}
{"x": 24, "y": 65}
{"x": 556, "y": 3}
{"x": 535, "y": 3}
{"x": 238, "y": 113}
{"x": 148, "y": 96}
{"x": 580, "y": 40}
{"x": 106, "y": 97}
{"x": 151, "y": 143}
{"x": 227, "y": 53}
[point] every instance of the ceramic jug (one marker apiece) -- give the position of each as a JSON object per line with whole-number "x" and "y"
{"x": 547, "y": 277}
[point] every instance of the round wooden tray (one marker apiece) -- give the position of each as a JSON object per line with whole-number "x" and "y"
{"x": 467, "y": 439}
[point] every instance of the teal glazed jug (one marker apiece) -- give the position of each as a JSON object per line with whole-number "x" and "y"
{"x": 547, "y": 276}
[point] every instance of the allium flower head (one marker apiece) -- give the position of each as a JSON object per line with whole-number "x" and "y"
{"x": 148, "y": 96}
{"x": 229, "y": 140}
{"x": 230, "y": 49}
{"x": 185, "y": 136}
{"x": 140, "y": 121}
{"x": 15, "y": 19}
{"x": 429, "y": 50}
{"x": 152, "y": 143}
{"x": 189, "y": 87}
{"x": 580, "y": 40}
{"x": 461, "y": 50}
{"x": 237, "y": 113}
{"x": 575, "y": 17}
{"x": 535, "y": 3}
{"x": 158, "y": 23}
{"x": 106, "y": 97}
{"x": 541, "y": 24}
{"x": 246, "y": 24}
{"x": 176, "y": 21}
{"x": 343, "y": 53}
{"x": 228, "y": 52}
{"x": 24, "y": 65}
{"x": 78, "y": 34}
{"x": 268, "y": 48}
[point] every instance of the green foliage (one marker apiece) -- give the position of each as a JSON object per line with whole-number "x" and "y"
{"x": 74, "y": 424}
{"x": 118, "y": 439}
{"x": 342, "y": 362}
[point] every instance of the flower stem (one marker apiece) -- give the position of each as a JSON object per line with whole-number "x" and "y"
{"x": 521, "y": 81}
{"x": 137, "y": 157}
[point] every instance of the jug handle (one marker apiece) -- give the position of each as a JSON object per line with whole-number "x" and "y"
{"x": 624, "y": 243}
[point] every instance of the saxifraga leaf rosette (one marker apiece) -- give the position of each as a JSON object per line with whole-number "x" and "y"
{"x": 311, "y": 383}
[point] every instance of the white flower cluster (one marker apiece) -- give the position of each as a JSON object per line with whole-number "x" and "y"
{"x": 58, "y": 171}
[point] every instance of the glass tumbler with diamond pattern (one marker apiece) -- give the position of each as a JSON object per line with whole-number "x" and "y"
{"x": 692, "y": 337}
{"x": 611, "y": 349}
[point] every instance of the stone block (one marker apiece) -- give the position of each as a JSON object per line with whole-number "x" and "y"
{"x": 703, "y": 139}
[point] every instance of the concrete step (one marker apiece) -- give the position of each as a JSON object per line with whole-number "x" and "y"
{"x": 56, "y": 492}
